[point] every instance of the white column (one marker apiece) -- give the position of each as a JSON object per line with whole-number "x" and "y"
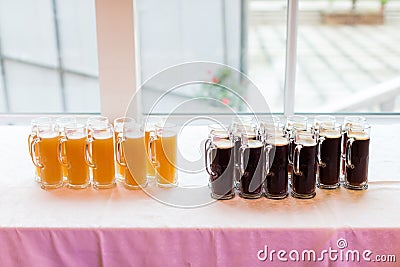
{"x": 116, "y": 54}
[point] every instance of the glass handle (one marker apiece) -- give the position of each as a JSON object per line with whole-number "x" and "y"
{"x": 152, "y": 150}
{"x": 209, "y": 148}
{"x": 120, "y": 152}
{"x": 88, "y": 154}
{"x": 30, "y": 140}
{"x": 241, "y": 165}
{"x": 290, "y": 158}
{"x": 61, "y": 151}
{"x": 320, "y": 163}
{"x": 267, "y": 150}
{"x": 33, "y": 153}
{"x": 348, "y": 153}
{"x": 296, "y": 160}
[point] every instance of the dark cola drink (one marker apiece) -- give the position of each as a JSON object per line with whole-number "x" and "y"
{"x": 222, "y": 168}
{"x": 237, "y": 144}
{"x": 357, "y": 161}
{"x": 251, "y": 179}
{"x": 304, "y": 168}
{"x": 330, "y": 157}
{"x": 276, "y": 183}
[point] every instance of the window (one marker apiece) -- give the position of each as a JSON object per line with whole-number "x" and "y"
{"x": 48, "y": 56}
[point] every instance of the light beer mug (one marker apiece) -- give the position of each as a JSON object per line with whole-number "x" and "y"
{"x": 276, "y": 170}
{"x": 251, "y": 167}
{"x": 220, "y": 165}
{"x": 100, "y": 155}
{"x": 304, "y": 165}
{"x": 72, "y": 155}
{"x": 329, "y": 155}
{"x": 357, "y": 157}
{"x": 62, "y": 122}
{"x": 46, "y": 147}
{"x": 163, "y": 153}
{"x": 118, "y": 128}
{"x": 149, "y": 125}
{"x": 132, "y": 155}
{"x": 34, "y": 124}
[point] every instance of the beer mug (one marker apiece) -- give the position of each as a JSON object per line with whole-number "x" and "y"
{"x": 348, "y": 122}
{"x": 46, "y": 147}
{"x": 276, "y": 165}
{"x": 163, "y": 153}
{"x": 220, "y": 165}
{"x": 33, "y": 134}
{"x": 329, "y": 155}
{"x": 357, "y": 157}
{"x": 149, "y": 125}
{"x": 251, "y": 167}
{"x": 294, "y": 123}
{"x": 62, "y": 122}
{"x": 118, "y": 128}
{"x": 304, "y": 165}
{"x": 131, "y": 155}
{"x": 100, "y": 155}
{"x": 239, "y": 126}
{"x": 72, "y": 155}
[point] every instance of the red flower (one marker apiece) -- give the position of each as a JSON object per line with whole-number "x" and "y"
{"x": 225, "y": 101}
{"x": 215, "y": 80}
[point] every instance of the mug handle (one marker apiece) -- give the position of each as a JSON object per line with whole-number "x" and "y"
{"x": 33, "y": 153}
{"x": 320, "y": 163}
{"x": 61, "y": 151}
{"x": 152, "y": 150}
{"x": 267, "y": 150}
{"x": 349, "y": 145}
{"x": 88, "y": 154}
{"x": 209, "y": 148}
{"x": 242, "y": 169}
{"x": 296, "y": 160}
{"x": 119, "y": 150}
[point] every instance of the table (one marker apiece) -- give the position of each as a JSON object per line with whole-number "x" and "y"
{"x": 120, "y": 227}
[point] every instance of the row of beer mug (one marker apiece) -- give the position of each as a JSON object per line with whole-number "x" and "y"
{"x": 67, "y": 151}
{"x": 266, "y": 157}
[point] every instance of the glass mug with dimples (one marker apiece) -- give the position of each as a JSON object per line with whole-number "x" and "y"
{"x": 46, "y": 147}
{"x": 132, "y": 155}
{"x": 163, "y": 153}
{"x": 118, "y": 128}
{"x": 72, "y": 155}
{"x": 100, "y": 155}
{"x": 32, "y": 136}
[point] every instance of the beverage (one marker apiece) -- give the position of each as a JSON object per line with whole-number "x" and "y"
{"x": 221, "y": 169}
{"x": 330, "y": 157}
{"x": 135, "y": 155}
{"x": 357, "y": 160}
{"x": 101, "y": 158}
{"x": 77, "y": 169}
{"x": 118, "y": 128}
{"x": 304, "y": 167}
{"x": 251, "y": 166}
{"x": 166, "y": 148}
{"x": 276, "y": 183}
{"x": 51, "y": 172}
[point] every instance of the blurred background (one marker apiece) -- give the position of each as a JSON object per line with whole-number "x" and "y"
{"x": 348, "y": 53}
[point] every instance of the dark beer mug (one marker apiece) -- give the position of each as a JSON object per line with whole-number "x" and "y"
{"x": 304, "y": 165}
{"x": 220, "y": 167}
{"x": 329, "y": 156}
{"x": 276, "y": 166}
{"x": 294, "y": 123}
{"x": 357, "y": 157}
{"x": 349, "y": 121}
{"x": 240, "y": 125}
{"x": 251, "y": 168}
